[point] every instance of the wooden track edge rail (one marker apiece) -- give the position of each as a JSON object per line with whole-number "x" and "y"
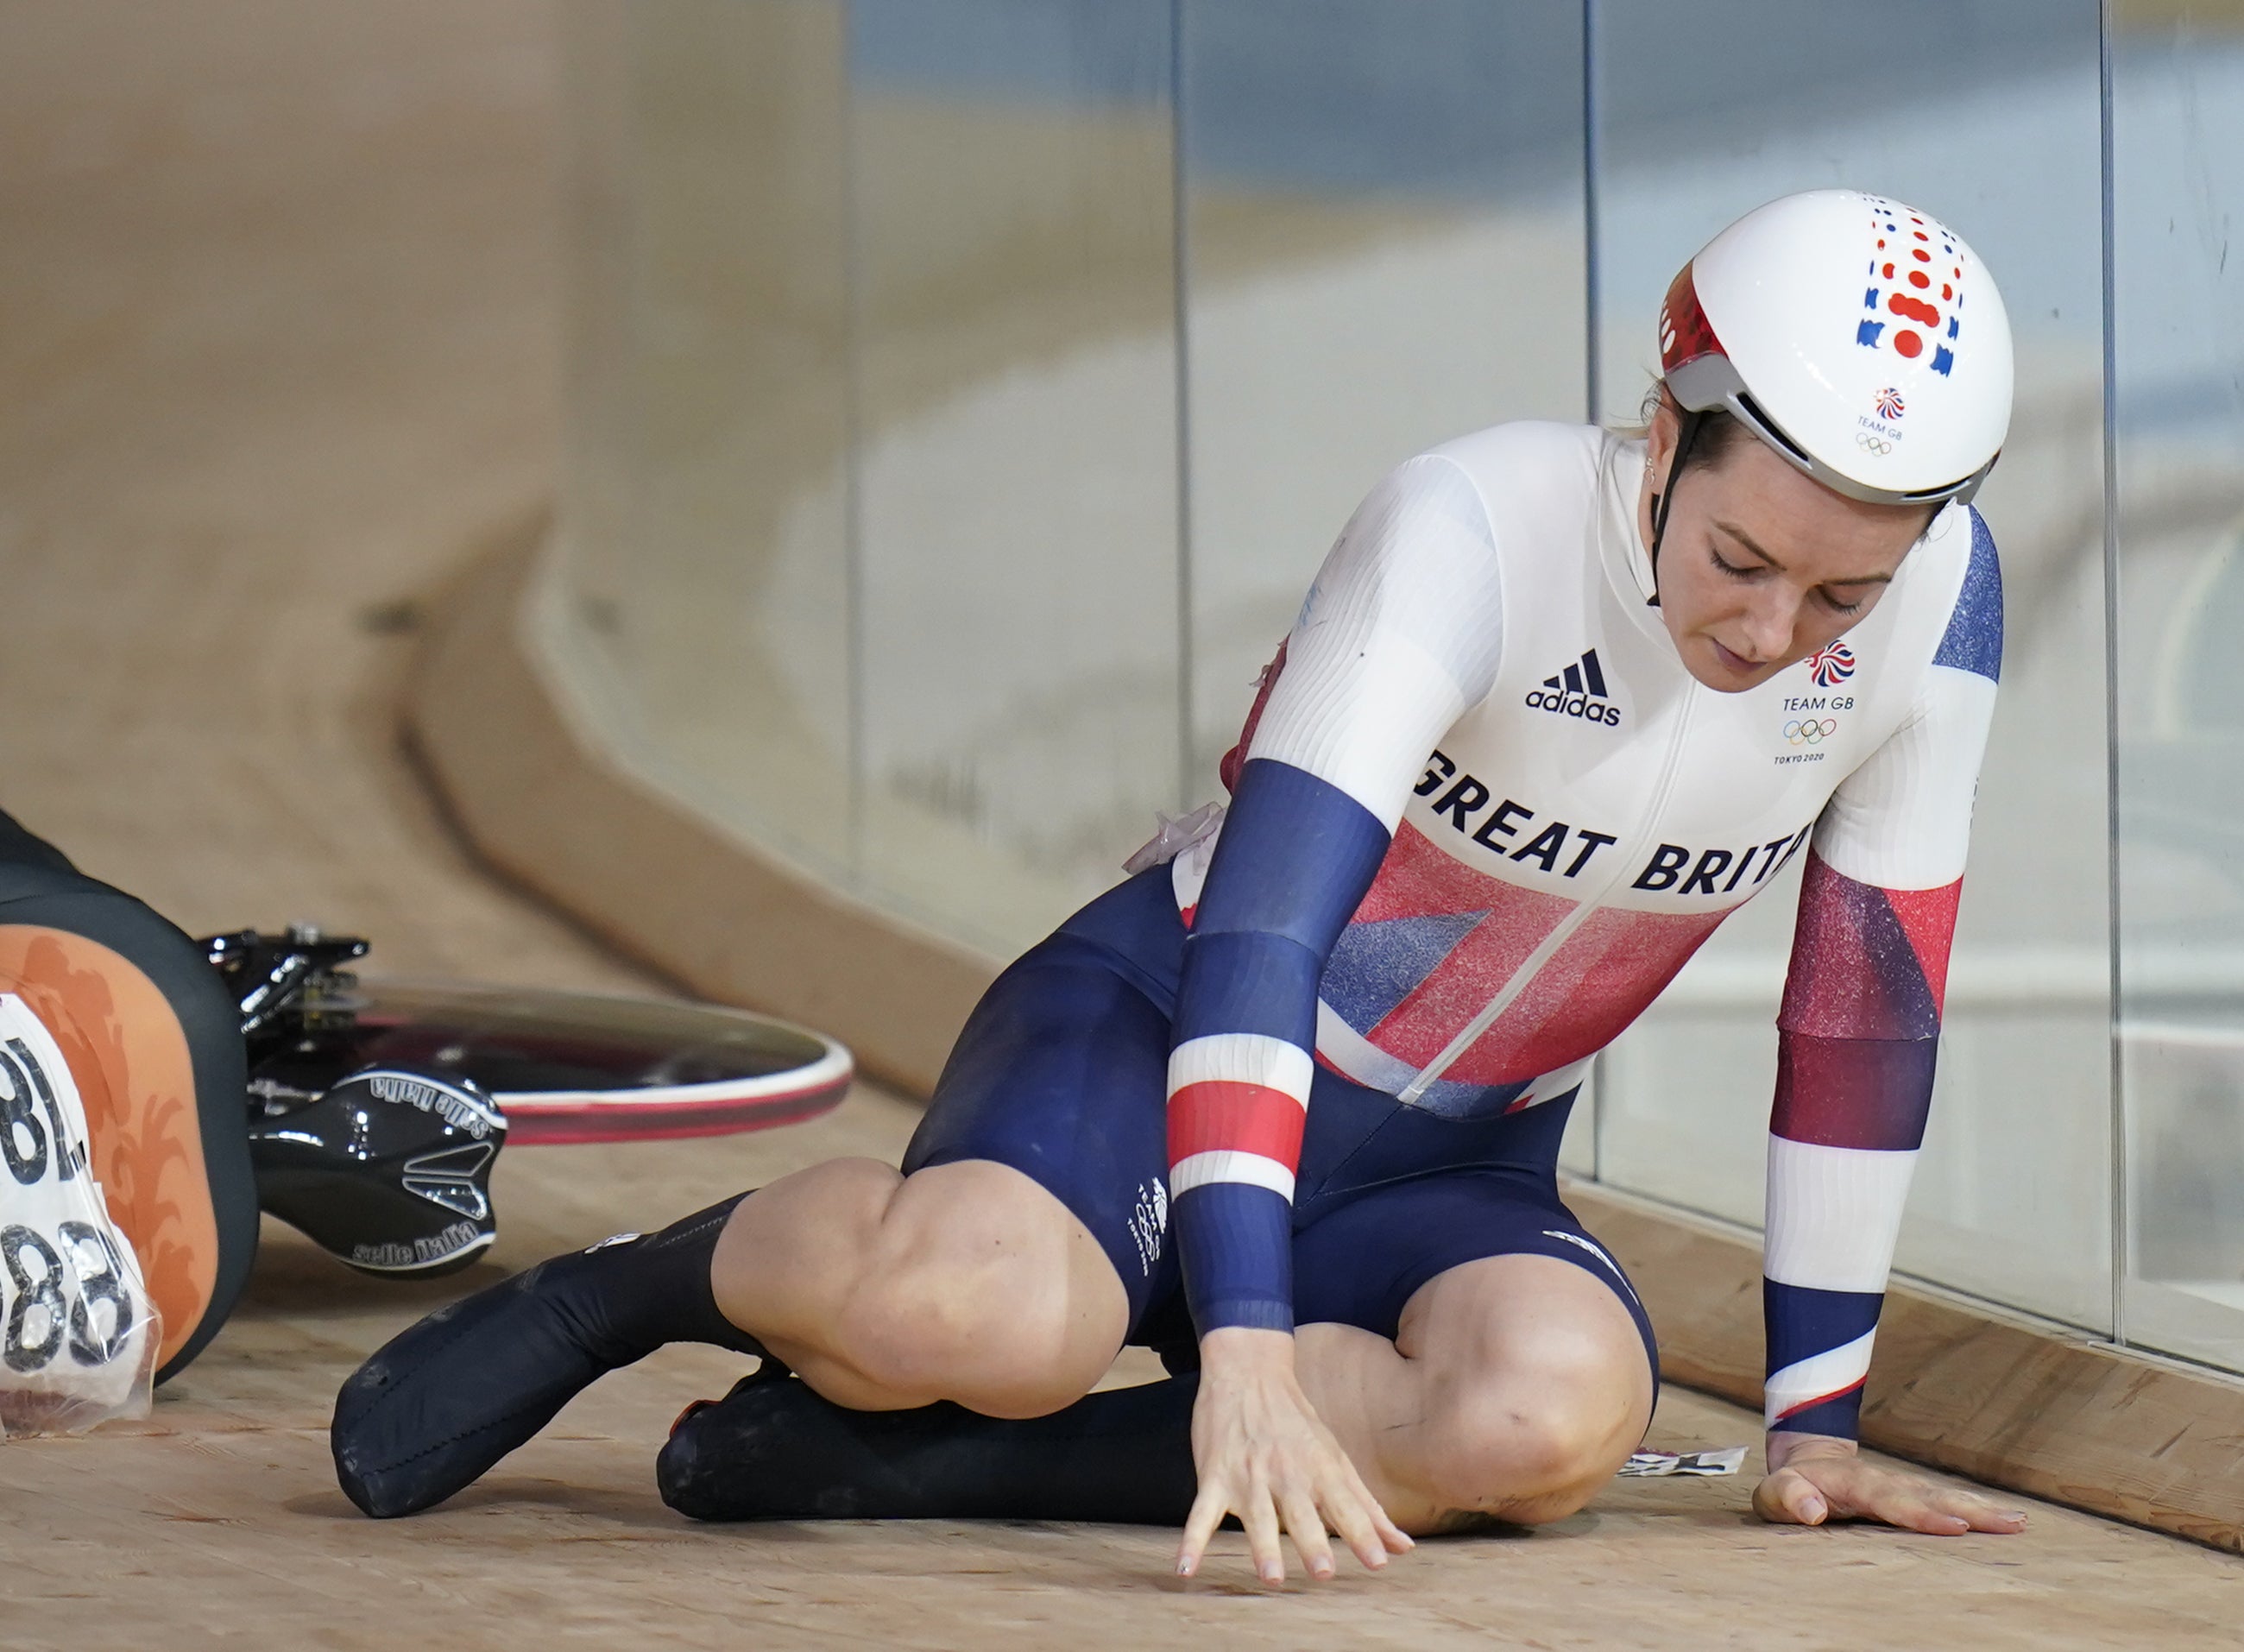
{"x": 536, "y": 796}
{"x": 1956, "y": 1385}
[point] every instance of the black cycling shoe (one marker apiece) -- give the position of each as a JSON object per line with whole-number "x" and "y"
{"x": 440, "y": 1403}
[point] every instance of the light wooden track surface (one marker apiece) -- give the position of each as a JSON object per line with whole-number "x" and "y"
{"x": 277, "y": 319}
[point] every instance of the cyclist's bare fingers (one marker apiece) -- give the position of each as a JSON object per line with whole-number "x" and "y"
{"x": 1260, "y": 1516}
{"x": 1392, "y": 1537}
{"x": 1352, "y": 1513}
{"x": 1208, "y": 1511}
{"x": 1308, "y": 1527}
{"x": 1397, "y": 1540}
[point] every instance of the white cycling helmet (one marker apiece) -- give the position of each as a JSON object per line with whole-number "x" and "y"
{"x": 1859, "y": 338}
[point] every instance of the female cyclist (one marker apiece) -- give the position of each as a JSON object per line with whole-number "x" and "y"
{"x": 1287, "y": 1107}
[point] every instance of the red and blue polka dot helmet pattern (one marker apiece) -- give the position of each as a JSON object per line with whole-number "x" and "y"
{"x": 1916, "y": 290}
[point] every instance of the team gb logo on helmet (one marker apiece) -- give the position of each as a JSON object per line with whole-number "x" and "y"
{"x": 1911, "y": 283}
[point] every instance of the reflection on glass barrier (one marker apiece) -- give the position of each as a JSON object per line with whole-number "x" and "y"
{"x": 1017, "y": 567}
{"x": 700, "y": 607}
{"x": 1385, "y": 250}
{"x": 2178, "y": 190}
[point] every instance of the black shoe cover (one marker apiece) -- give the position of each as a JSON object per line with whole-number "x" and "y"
{"x": 772, "y": 1449}
{"x": 442, "y": 1402}
{"x": 764, "y": 1452}
{"x": 437, "y": 1405}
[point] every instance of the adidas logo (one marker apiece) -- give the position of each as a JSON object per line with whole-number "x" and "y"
{"x": 1578, "y": 691}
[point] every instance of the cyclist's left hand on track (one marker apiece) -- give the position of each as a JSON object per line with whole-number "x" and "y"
{"x": 1817, "y": 1479}
{"x": 1264, "y": 1455}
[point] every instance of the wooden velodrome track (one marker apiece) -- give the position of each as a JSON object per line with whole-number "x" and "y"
{"x": 278, "y": 318}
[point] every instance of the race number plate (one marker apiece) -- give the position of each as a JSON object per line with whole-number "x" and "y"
{"x": 77, "y": 1333}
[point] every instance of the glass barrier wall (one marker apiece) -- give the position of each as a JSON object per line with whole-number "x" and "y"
{"x": 1016, "y": 482}
{"x": 703, "y": 567}
{"x": 2177, "y": 416}
{"x": 965, "y": 391}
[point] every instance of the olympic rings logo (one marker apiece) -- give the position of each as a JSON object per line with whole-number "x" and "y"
{"x": 1872, "y": 444}
{"x": 1810, "y": 731}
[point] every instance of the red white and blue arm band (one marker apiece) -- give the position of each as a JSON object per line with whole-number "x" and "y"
{"x": 1295, "y": 857}
{"x": 1400, "y": 633}
{"x": 1861, "y": 1023}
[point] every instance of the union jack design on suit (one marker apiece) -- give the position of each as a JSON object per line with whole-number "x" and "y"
{"x": 1431, "y": 887}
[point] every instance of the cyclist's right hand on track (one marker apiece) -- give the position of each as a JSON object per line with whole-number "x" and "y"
{"x": 1264, "y": 1455}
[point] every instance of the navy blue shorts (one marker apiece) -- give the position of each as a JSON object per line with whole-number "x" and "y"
{"x": 1061, "y": 1074}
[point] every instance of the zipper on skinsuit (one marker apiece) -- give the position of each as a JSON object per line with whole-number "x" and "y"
{"x": 1557, "y": 937}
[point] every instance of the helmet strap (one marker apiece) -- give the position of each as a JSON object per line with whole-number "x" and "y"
{"x": 1686, "y": 432}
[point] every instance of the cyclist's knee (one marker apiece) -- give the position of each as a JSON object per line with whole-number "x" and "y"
{"x": 1527, "y": 1415}
{"x": 980, "y": 1292}
{"x": 1529, "y": 1453}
